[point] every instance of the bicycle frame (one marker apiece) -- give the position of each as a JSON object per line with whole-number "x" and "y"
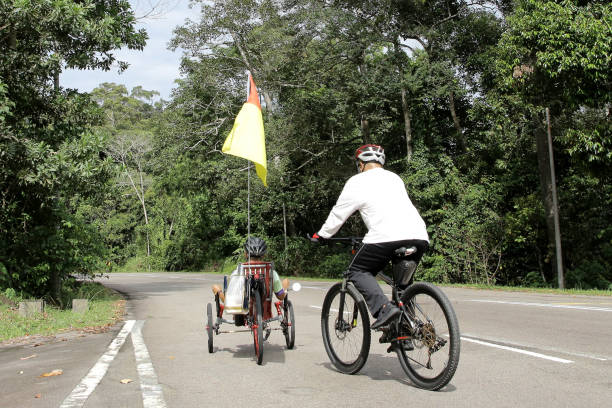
{"x": 395, "y": 295}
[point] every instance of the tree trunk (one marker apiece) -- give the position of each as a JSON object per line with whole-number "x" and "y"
{"x": 55, "y": 286}
{"x": 12, "y": 39}
{"x": 365, "y": 130}
{"x": 460, "y": 140}
{"x": 405, "y": 107}
{"x": 144, "y": 209}
{"x": 268, "y": 101}
{"x": 140, "y": 195}
{"x": 407, "y": 124}
{"x": 545, "y": 188}
{"x": 247, "y": 63}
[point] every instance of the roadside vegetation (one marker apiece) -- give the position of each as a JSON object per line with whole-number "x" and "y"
{"x": 456, "y": 91}
{"x": 553, "y": 291}
{"x": 105, "y": 308}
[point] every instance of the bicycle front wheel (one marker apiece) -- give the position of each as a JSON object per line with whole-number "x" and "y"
{"x": 345, "y": 326}
{"x": 288, "y": 324}
{"x": 428, "y": 349}
{"x": 209, "y": 327}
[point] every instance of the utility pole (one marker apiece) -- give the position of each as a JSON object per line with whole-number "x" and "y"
{"x": 560, "y": 274}
{"x": 284, "y": 227}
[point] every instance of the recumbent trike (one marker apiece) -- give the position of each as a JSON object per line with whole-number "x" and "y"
{"x": 254, "y": 312}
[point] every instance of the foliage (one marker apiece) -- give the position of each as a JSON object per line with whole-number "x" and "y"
{"x": 339, "y": 74}
{"x": 50, "y": 159}
{"x": 454, "y": 90}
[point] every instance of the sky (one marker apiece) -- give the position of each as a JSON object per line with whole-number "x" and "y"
{"x": 155, "y": 68}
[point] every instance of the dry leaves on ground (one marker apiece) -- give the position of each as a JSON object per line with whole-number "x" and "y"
{"x": 53, "y": 373}
{"x": 126, "y": 381}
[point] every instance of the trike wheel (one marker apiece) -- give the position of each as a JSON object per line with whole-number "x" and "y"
{"x": 209, "y": 327}
{"x": 257, "y": 327}
{"x": 345, "y": 325}
{"x": 432, "y": 357}
{"x": 289, "y": 324}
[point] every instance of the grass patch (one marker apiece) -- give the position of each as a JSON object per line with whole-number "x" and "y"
{"x": 105, "y": 308}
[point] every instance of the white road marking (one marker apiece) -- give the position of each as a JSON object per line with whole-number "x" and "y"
{"x": 81, "y": 392}
{"x": 517, "y": 350}
{"x": 594, "y": 308}
{"x": 551, "y": 349}
{"x": 313, "y": 287}
{"x": 331, "y": 309}
{"x": 514, "y": 349}
{"x": 152, "y": 394}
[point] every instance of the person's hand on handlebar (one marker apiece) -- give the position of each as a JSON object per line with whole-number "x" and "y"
{"x": 315, "y": 238}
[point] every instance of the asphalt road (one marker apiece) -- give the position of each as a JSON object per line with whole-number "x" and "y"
{"x": 517, "y": 350}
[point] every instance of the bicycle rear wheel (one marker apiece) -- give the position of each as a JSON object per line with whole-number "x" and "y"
{"x": 257, "y": 327}
{"x": 345, "y": 326}
{"x": 429, "y": 353}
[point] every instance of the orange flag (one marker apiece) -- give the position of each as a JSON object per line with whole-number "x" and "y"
{"x": 247, "y": 138}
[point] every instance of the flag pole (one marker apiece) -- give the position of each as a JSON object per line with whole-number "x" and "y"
{"x": 248, "y": 178}
{"x": 249, "y": 206}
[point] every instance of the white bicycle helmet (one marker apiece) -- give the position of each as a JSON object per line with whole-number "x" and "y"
{"x": 370, "y": 153}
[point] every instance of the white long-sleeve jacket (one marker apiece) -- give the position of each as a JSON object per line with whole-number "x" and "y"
{"x": 384, "y": 205}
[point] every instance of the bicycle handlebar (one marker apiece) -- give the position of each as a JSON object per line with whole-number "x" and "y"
{"x": 347, "y": 239}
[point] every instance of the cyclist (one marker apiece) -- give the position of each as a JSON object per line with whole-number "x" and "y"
{"x": 254, "y": 250}
{"x": 392, "y": 222}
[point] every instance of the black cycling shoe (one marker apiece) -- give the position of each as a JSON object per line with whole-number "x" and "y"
{"x": 407, "y": 346}
{"x": 386, "y": 314}
{"x": 385, "y": 338}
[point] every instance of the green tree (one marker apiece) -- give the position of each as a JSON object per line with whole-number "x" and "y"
{"x": 453, "y": 90}
{"x": 557, "y": 55}
{"x": 50, "y": 158}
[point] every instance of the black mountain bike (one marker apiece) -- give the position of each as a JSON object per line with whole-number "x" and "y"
{"x": 425, "y": 335}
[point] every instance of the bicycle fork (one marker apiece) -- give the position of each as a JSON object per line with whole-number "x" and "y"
{"x": 341, "y": 324}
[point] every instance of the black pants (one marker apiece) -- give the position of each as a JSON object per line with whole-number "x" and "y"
{"x": 371, "y": 259}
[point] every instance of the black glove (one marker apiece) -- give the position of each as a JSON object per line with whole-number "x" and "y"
{"x": 315, "y": 238}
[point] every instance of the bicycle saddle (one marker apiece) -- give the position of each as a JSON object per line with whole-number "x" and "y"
{"x": 404, "y": 252}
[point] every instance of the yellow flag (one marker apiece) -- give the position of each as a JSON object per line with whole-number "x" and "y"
{"x": 247, "y": 139}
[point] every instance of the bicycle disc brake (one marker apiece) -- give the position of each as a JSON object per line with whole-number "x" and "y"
{"x": 342, "y": 328}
